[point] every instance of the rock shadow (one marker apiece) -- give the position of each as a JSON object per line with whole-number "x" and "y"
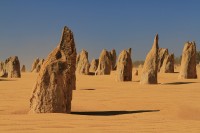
{"x": 88, "y": 89}
{"x": 111, "y": 113}
{"x": 178, "y": 83}
{"x": 92, "y": 73}
{"x": 175, "y": 72}
{"x": 8, "y": 80}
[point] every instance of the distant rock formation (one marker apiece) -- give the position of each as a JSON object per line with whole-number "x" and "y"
{"x": 11, "y": 68}
{"x": 1, "y": 65}
{"x": 162, "y": 54}
{"x": 37, "y": 64}
{"x": 23, "y": 68}
{"x": 52, "y": 92}
{"x": 93, "y": 65}
{"x": 136, "y": 72}
{"x": 140, "y": 66}
{"x": 150, "y": 68}
{"x": 34, "y": 65}
{"x": 104, "y": 67}
{"x": 188, "y": 62}
{"x": 124, "y": 66}
{"x": 168, "y": 64}
{"x": 2, "y": 69}
{"x": 83, "y": 64}
{"x": 113, "y": 58}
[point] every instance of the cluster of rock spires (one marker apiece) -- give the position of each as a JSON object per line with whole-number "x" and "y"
{"x": 10, "y": 68}
{"x": 157, "y": 60}
{"x": 52, "y": 92}
{"x": 165, "y": 61}
{"x": 104, "y": 65}
{"x": 37, "y": 64}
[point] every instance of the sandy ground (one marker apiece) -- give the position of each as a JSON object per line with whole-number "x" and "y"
{"x": 100, "y": 104}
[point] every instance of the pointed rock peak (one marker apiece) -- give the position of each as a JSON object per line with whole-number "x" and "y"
{"x": 112, "y": 51}
{"x": 67, "y": 43}
{"x": 130, "y": 50}
{"x": 155, "y": 43}
{"x": 156, "y": 37}
{"x": 66, "y": 33}
{"x": 104, "y": 51}
{"x": 163, "y": 49}
{"x": 65, "y": 28}
{"x": 190, "y": 45}
{"x": 83, "y": 50}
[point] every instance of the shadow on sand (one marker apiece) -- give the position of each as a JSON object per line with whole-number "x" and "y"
{"x": 91, "y": 73}
{"x": 88, "y": 89}
{"x": 178, "y": 83}
{"x": 111, "y": 113}
{"x": 7, "y": 80}
{"x": 175, "y": 72}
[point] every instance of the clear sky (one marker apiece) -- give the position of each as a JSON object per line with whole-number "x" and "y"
{"x": 32, "y": 28}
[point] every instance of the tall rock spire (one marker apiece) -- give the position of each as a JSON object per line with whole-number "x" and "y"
{"x": 52, "y": 92}
{"x": 150, "y": 68}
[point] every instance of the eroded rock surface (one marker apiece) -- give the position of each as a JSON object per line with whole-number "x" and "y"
{"x": 188, "y": 62}
{"x": 162, "y": 54}
{"x": 93, "y": 65}
{"x": 83, "y": 64}
{"x": 168, "y": 64}
{"x": 150, "y": 67}
{"x": 113, "y": 58}
{"x": 52, "y": 92}
{"x": 105, "y": 64}
{"x": 23, "y": 68}
{"x": 124, "y": 66}
{"x": 11, "y": 68}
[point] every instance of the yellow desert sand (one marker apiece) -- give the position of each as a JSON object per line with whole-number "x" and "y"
{"x": 101, "y": 104}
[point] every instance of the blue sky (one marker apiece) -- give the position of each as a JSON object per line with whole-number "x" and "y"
{"x": 32, "y": 29}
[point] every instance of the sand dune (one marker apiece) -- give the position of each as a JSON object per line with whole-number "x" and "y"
{"x": 100, "y": 104}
